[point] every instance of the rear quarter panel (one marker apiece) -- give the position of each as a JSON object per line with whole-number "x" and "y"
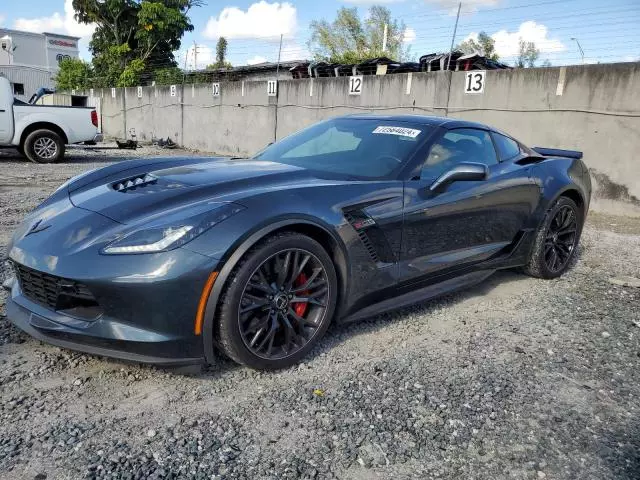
{"x": 557, "y": 176}
{"x": 75, "y": 122}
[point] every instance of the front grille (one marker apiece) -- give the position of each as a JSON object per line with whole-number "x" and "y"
{"x": 55, "y": 293}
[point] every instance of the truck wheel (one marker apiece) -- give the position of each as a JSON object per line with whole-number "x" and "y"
{"x": 44, "y": 146}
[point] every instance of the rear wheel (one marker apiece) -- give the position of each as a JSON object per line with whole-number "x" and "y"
{"x": 44, "y": 146}
{"x": 278, "y": 303}
{"x": 556, "y": 240}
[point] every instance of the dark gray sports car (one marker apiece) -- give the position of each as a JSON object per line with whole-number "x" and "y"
{"x": 165, "y": 260}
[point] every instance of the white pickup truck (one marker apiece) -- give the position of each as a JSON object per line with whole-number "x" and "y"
{"x": 41, "y": 131}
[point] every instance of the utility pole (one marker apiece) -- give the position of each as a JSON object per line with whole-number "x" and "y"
{"x": 279, "y": 54}
{"x": 453, "y": 38}
{"x": 384, "y": 37}
{"x": 195, "y": 55}
{"x": 579, "y": 48}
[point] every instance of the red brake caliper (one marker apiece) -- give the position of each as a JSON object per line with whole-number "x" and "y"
{"x": 300, "y": 307}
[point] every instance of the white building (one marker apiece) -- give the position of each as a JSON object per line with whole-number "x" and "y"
{"x": 30, "y": 60}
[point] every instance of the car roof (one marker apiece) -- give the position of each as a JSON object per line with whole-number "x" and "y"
{"x": 432, "y": 120}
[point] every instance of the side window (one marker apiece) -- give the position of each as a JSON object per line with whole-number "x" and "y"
{"x": 507, "y": 147}
{"x": 331, "y": 141}
{"x": 456, "y": 146}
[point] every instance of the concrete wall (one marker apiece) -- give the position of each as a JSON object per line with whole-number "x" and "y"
{"x": 594, "y": 108}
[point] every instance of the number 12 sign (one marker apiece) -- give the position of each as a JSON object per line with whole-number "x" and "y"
{"x": 474, "y": 81}
{"x": 355, "y": 85}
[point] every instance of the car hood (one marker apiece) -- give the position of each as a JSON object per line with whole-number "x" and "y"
{"x": 142, "y": 189}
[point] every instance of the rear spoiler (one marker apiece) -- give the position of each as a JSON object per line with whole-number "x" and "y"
{"x": 556, "y": 152}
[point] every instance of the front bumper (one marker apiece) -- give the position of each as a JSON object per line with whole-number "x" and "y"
{"x": 150, "y": 321}
{"x": 56, "y": 334}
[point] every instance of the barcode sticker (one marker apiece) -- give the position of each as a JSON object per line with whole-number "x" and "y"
{"x": 400, "y": 131}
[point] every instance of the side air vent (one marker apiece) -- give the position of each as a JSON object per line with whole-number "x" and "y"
{"x": 133, "y": 183}
{"x": 360, "y": 222}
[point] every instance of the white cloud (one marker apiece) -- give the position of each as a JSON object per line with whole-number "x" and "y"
{"x": 256, "y": 59}
{"x": 409, "y": 35}
{"x": 507, "y": 43}
{"x": 260, "y": 20}
{"x": 468, "y": 6}
{"x": 371, "y": 2}
{"x": 56, "y": 23}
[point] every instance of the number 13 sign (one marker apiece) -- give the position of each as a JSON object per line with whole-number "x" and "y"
{"x": 474, "y": 81}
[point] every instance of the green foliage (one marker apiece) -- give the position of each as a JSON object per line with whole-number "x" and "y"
{"x": 221, "y": 51}
{"x": 349, "y": 39}
{"x": 130, "y": 76}
{"x": 130, "y": 30}
{"x": 168, "y": 76}
{"x": 74, "y": 74}
{"x": 527, "y": 54}
{"x": 485, "y": 45}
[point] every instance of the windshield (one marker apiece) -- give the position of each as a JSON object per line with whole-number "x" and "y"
{"x": 369, "y": 148}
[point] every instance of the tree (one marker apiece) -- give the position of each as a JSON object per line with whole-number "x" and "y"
{"x": 128, "y": 30}
{"x": 168, "y": 76}
{"x": 221, "y": 51}
{"x": 348, "y": 39}
{"x": 74, "y": 74}
{"x": 527, "y": 54}
{"x": 484, "y": 45}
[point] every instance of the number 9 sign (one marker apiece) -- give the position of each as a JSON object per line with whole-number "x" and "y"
{"x": 474, "y": 81}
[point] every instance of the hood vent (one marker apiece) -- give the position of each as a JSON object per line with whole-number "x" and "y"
{"x": 139, "y": 181}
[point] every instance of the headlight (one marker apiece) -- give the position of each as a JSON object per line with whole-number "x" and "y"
{"x": 167, "y": 234}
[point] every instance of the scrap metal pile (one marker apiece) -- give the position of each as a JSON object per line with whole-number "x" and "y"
{"x": 383, "y": 66}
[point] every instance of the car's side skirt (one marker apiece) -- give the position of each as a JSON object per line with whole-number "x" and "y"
{"x": 418, "y": 295}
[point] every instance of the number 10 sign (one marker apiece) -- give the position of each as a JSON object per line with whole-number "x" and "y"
{"x": 474, "y": 81}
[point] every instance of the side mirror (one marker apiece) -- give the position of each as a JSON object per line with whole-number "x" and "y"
{"x": 466, "y": 171}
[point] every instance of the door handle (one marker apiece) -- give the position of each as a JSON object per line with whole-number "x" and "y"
{"x": 2, "y": 111}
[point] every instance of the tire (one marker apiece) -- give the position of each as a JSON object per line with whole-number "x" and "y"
{"x": 555, "y": 244}
{"x": 259, "y": 323}
{"x": 44, "y": 146}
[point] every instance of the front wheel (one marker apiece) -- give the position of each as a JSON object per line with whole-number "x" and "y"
{"x": 44, "y": 146}
{"x": 556, "y": 240}
{"x": 278, "y": 303}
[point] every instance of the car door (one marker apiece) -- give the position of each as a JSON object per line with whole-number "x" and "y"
{"x": 466, "y": 221}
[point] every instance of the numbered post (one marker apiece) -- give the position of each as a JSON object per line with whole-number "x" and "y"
{"x": 355, "y": 85}
{"x": 139, "y": 92}
{"x": 174, "y": 90}
{"x": 272, "y": 88}
{"x": 474, "y": 82}
{"x": 215, "y": 88}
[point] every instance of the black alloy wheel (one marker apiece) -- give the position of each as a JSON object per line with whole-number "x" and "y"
{"x": 278, "y": 303}
{"x": 560, "y": 239}
{"x": 283, "y": 304}
{"x": 556, "y": 240}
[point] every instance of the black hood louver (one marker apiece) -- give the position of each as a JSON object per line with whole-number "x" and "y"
{"x": 133, "y": 183}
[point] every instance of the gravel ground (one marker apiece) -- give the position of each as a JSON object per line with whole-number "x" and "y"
{"x": 517, "y": 378}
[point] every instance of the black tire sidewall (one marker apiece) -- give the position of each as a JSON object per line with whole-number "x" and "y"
{"x": 538, "y": 267}
{"x": 228, "y": 332}
{"x": 29, "y": 146}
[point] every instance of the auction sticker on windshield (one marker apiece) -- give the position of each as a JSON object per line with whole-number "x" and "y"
{"x": 400, "y": 131}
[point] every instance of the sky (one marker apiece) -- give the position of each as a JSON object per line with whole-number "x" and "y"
{"x": 606, "y": 31}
